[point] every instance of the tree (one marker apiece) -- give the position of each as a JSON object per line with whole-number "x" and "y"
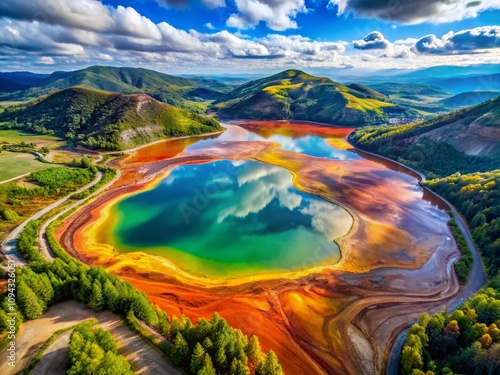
{"x": 254, "y": 351}
{"x": 410, "y": 359}
{"x": 485, "y": 340}
{"x": 238, "y": 368}
{"x": 86, "y": 162}
{"x": 28, "y": 302}
{"x": 271, "y": 365}
{"x": 180, "y": 351}
{"x": 208, "y": 367}
{"x": 197, "y": 358}
{"x": 96, "y": 298}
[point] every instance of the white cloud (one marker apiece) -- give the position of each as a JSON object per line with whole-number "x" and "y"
{"x": 277, "y": 14}
{"x": 124, "y": 36}
{"x": 407, "y": 41}
{"x": 212, "y": 4}
{"x": 414, "y": 12}
{"x": 209, "y": 26}
{"x": 470, "y": 40}
{"x": 46, "y": 60}
{"x": 374, "y": 40}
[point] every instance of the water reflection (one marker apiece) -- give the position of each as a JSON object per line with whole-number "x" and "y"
{"x": 241, "y": 213}
{"x": 302, "y": 143}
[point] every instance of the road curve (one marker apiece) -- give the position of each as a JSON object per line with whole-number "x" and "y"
{"x": 43, "y": 243}
{"x": 9, "y": 245}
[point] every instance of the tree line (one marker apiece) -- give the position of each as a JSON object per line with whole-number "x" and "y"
{"x": 208, "y": 347}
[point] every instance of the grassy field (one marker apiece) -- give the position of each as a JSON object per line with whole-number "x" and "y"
{"x": 365, "y": 104}
{"x": 15, "y": 136}
{"x": 13, "y": 164}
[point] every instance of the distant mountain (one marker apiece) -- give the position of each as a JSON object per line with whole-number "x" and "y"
{"x": 23, "y": 79}
{"x": 466, "y": 99}
{"x": 98, "y": 119}
{"x": 466, "y": 139}
{"x": 489, "y": 82}
{"x": 8, "y": 85}
{"x": 293, "y": 94}
{"x": 450, "y": 71}
{"x": 191, "y": 93}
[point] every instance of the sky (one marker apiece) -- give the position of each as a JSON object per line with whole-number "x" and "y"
{"x": 223, "y": 37}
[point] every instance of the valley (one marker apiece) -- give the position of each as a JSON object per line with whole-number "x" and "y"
{"x": 270, "y": 202}
{"x": 384, "y": 259}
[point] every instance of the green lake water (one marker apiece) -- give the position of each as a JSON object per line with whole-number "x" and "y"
{"x": 228, "y": 219}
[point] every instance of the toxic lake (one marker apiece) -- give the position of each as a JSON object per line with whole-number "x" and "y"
{"x": 283, "y": 223}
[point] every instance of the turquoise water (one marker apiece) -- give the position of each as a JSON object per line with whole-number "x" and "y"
{"x": 230, "y": 218}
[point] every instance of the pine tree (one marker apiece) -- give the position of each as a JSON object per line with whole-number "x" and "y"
{"x": 180, "y": 351}
{"x": 254, "y": 351}
{"x": 271, "y": 365}
{"x": 238, "y": 368}
{"x": 28, "y": 302}
{"x": 197, "y": 358}
{"x": 208, "y": 367}
{"x": 96, "y": 298}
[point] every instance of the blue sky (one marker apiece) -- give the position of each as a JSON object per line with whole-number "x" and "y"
{"x": 222, "y": 36}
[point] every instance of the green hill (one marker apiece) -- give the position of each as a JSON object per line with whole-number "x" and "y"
{"x": 368, "y": 92}
{"x": 293, "y": 94}
{"x": 466, "y": 99}
{"x": 194, "y": 94}
{"x": 99, "y": 119}
{"x": 467, "y": 140}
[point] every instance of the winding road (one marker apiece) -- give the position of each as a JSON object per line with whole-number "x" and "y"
{"x": 42, "y": 236}
{"x": 9, "y": 245}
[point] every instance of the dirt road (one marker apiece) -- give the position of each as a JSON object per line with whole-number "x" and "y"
{"x": 145, "y": 358}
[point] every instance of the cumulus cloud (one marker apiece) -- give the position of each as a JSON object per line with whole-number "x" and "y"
{"x": 277, "y": 14}
{"x": 414, "y": 12}
{"x": 85, "y": 14}
{"x": 479, "y": 38}
{"x": 373, "y": 40}
{"x": 212, "y": 4}
{"x": 73, "y": 38}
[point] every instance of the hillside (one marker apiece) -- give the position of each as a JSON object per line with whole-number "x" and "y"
{"x": 99, "y": 119}
{"x": 418, "y": 96}
{"x": 293, "y": 94}
{"x": 487, "y": 82}
{"x": 466, "y": 99}
{"x": 193, "y": 94}
{"x": 467, "y": 140}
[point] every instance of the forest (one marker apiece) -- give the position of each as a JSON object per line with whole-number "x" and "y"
{"x": 94, "y": 351}
{"x": 466, "y": 341}
{"x": 204, "y": 348}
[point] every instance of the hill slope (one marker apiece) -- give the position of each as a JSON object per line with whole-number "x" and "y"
{"x": 467, "y": 140}
{"x": 98, "y": 119}
{"x": 468, "y": 98}
{"x": 293, "y": 94}
{"x": 193, "y": 93}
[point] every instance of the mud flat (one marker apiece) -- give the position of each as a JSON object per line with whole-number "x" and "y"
{"x": 329, "y": 319}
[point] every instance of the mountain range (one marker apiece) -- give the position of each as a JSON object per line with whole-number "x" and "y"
{"x": 112, "y": 121}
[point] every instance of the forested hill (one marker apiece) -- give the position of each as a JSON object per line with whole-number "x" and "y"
{"x": 111, "y": 121}
{"x": 293, "y": 94}
{"x": 194, "y": 93}
{"x": 466, "y": 140}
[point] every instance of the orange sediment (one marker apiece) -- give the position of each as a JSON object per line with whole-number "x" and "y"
{"x": 315, "y": 319}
